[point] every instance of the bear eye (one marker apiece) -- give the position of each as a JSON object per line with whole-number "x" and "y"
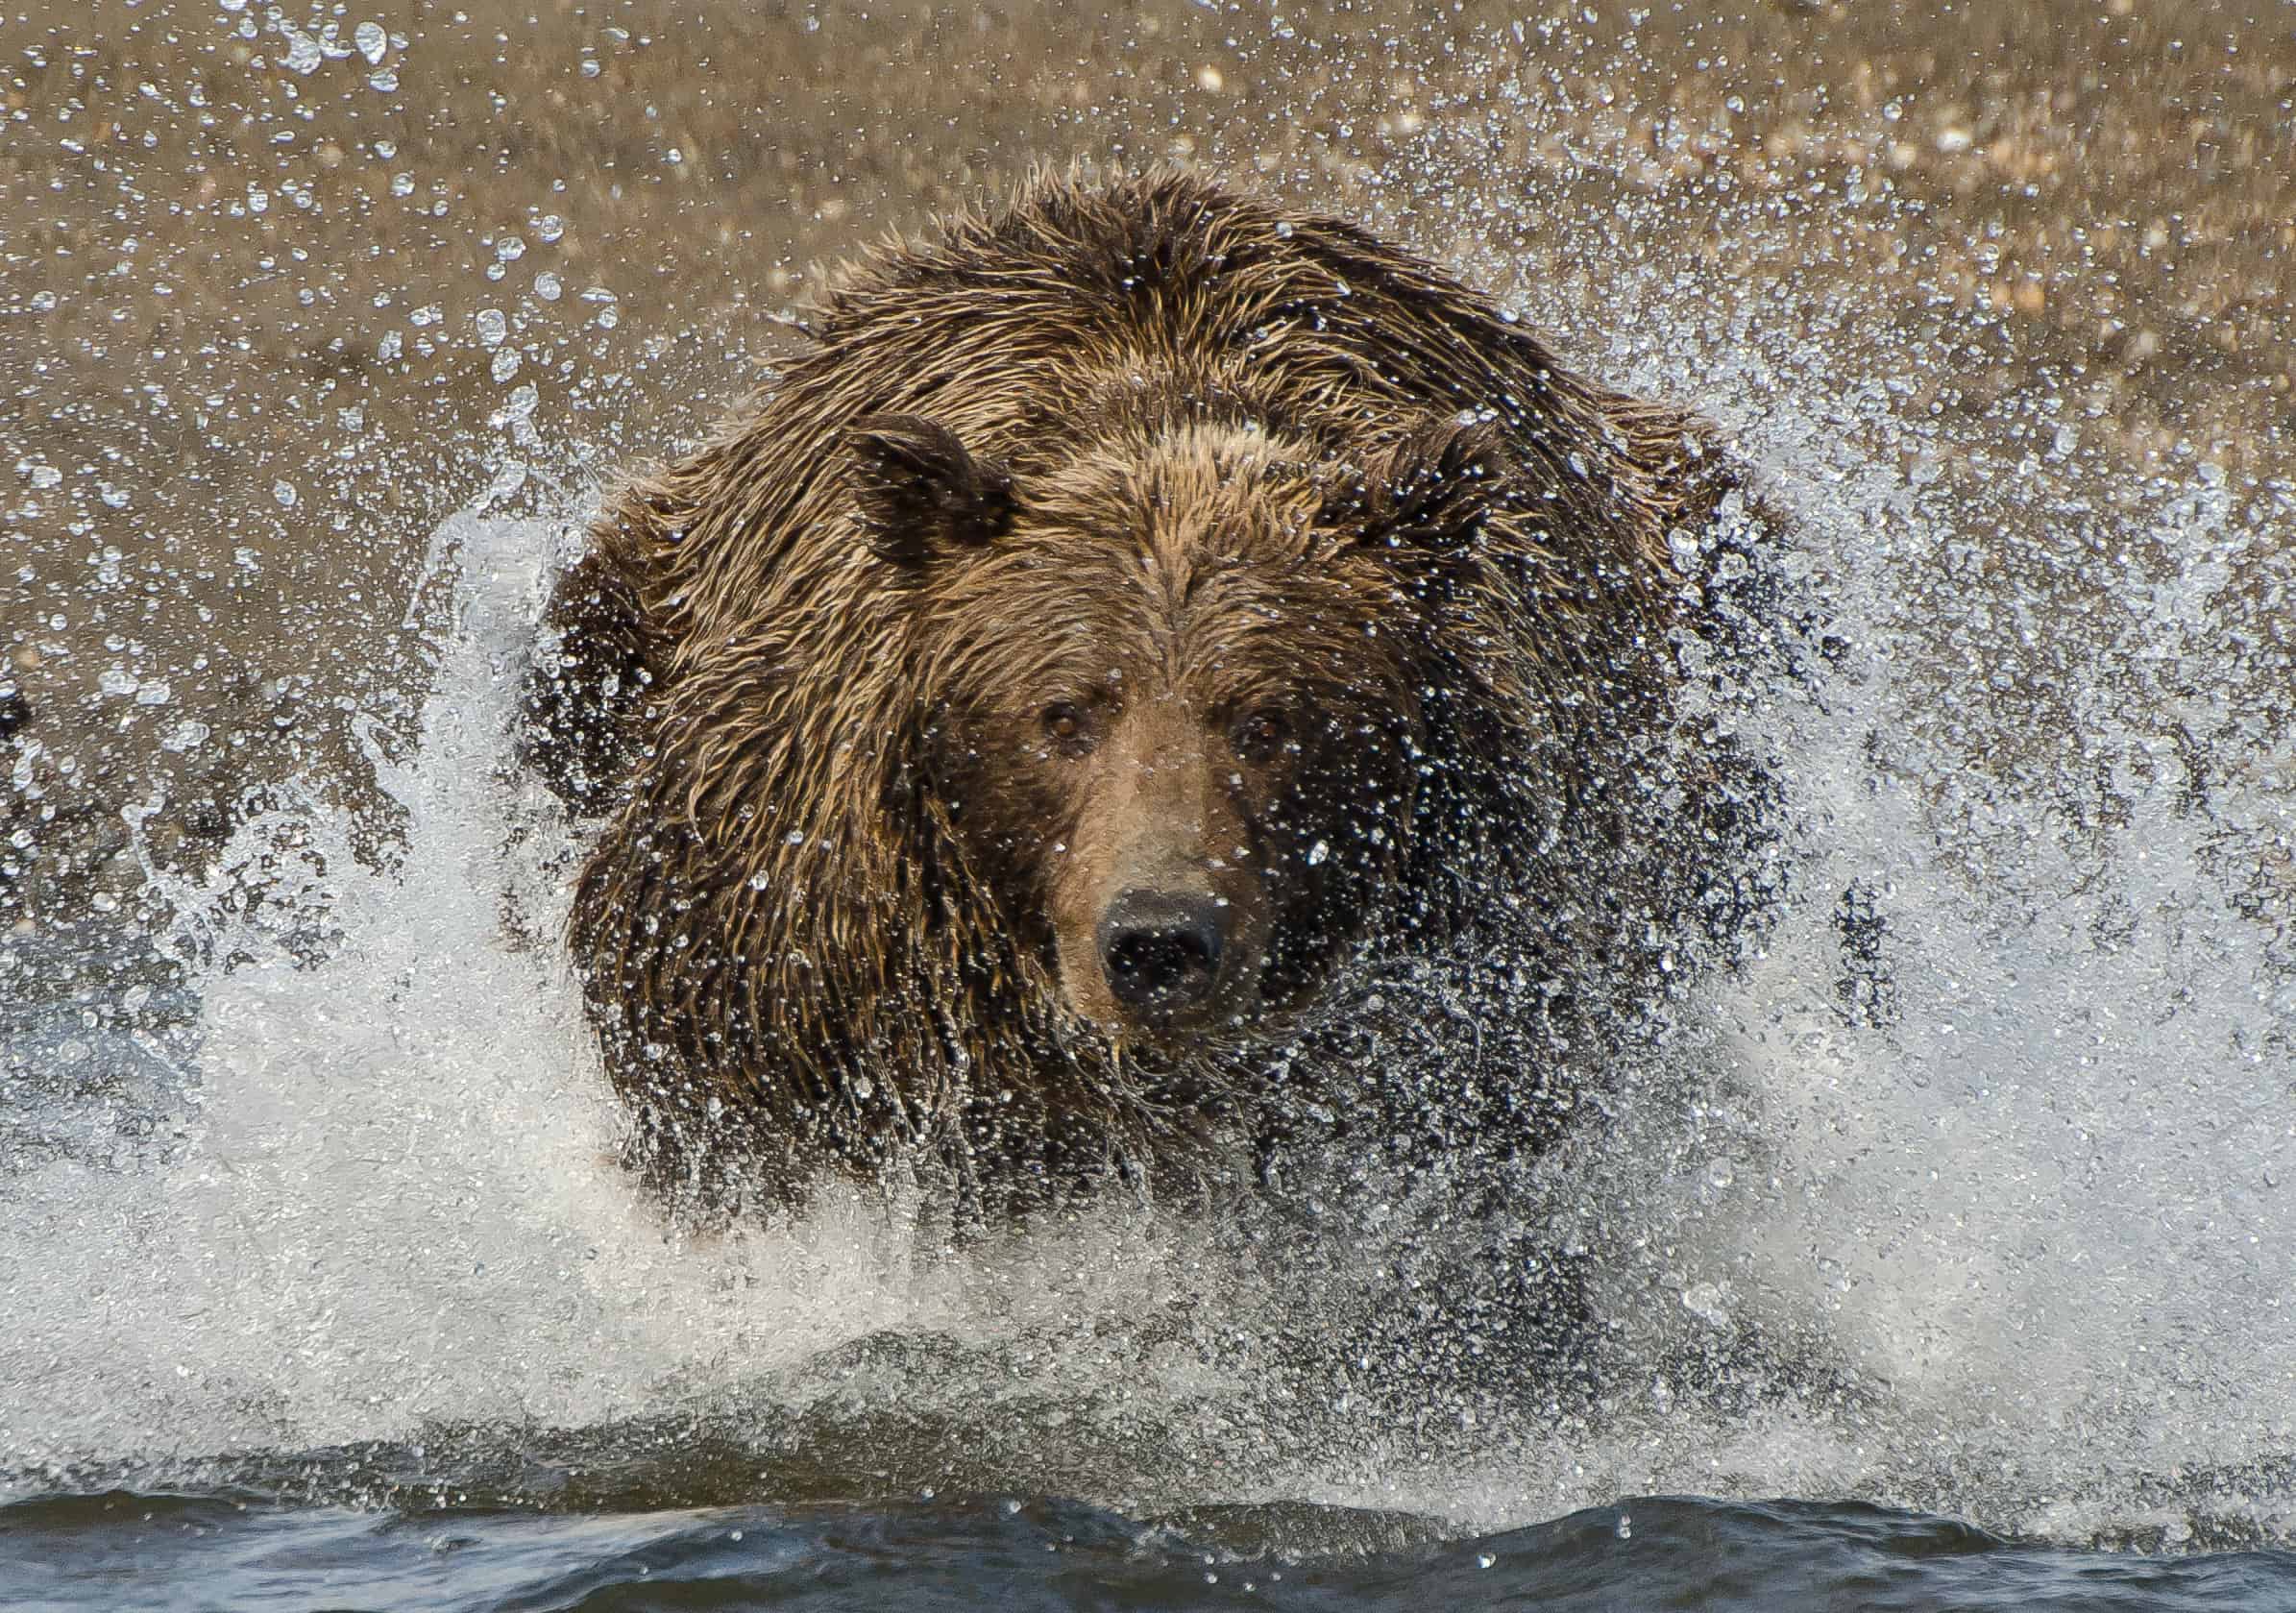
{"x": 1261, "y": 733}
{"x": 1068, "y": 727}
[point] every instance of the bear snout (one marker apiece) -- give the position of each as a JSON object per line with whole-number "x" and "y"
{"x": 1161, "y": 952}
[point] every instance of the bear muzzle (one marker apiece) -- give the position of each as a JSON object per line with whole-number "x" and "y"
{"x": 1161, "y": 952}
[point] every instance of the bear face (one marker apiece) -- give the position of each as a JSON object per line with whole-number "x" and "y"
{"x": 1175, "y": 713}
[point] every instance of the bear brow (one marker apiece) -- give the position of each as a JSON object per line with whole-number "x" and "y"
{"x": 1252, "y": 625}
{"x": 1218, "y": 519}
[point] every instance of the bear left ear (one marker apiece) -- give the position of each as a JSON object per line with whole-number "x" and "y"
{"x": 921, "y": 490}
{"x": 1431, "y": 488}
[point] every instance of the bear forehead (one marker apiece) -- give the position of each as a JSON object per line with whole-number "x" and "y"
{"x": 1230, "y": 487}
{"x": 1192, "y": 558}
{"x": 1204, "y": 523}
{"x": 1126, "y": 620}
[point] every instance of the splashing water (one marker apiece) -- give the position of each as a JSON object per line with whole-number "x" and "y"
{"x": 1997, "y": 1130}
{"x": 395, "y": 1199}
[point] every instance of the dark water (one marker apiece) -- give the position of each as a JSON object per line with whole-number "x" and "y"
{"x": 118, "y": 1550}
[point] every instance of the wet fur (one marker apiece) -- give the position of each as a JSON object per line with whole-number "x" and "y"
{"x": 797, "y": 949}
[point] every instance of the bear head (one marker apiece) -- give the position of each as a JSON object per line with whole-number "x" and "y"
{"x": 1188, "y": 688}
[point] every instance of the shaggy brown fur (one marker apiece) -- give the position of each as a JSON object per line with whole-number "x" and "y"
{"x": 1137, "y": 526}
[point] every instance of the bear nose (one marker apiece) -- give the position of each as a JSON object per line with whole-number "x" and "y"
{"x": 1160, "y": 950}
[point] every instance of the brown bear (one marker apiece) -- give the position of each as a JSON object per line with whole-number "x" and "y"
{"x": 1049, "y": 732}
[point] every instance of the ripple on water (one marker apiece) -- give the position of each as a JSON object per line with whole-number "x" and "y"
{"x": 119, "y": 1548}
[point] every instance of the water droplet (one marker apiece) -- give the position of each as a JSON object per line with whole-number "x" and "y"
{"x": 372, "y": 41}
{"x": 520, "y": 406}
{"x": 504, "y": 365}
{"x": 282, "y": 492}
{"x": 549, "y": 226}
{"x": 302, "y": 52}
{"x": 504, "y": 483}
{"x": 493, "y": 326}
{"x": 547, "y": 286}
{"x": 1317, "y": 853}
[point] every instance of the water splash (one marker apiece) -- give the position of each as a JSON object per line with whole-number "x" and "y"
{"x": 1995, "y": 1135}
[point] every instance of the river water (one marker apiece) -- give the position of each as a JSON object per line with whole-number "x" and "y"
{"x": 1945, "y": 1250}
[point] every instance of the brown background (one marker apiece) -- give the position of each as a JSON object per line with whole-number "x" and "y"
{"x": 224, "y": 276}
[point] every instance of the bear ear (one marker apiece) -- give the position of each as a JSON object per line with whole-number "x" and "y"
{"x": 1432, "y": 488}
{"x": 922, "y": 492}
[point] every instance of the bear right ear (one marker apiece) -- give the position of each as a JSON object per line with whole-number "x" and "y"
{"x": 922, "y": 492}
